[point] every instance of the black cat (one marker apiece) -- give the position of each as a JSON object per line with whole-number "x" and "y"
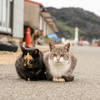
{"x": 29, "y": 65}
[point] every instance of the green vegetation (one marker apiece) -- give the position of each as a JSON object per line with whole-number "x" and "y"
{"x": 45, "y": 37}
{"x": 68, "y": 18}
{"x": 66, "y": 27}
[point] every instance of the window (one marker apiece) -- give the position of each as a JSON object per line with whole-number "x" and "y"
{"x": 0, "y": 12}
{"x": 10, "y": 14}
{"x": 4, "y": 19}
{"x": 6, "y": 15}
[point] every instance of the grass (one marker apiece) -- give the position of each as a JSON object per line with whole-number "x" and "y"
{"x": 45, "y": 38}
{"x": 66, "y": 27}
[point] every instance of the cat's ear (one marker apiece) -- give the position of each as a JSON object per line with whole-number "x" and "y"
{"x": 67, "y": 46}
{"x": 36, "y": 52}
{"x": 51, "y": 45}
{"x": 23, "y": 49}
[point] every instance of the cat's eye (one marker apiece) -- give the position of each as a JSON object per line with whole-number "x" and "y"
{"x": 62, "y": 55}
{"x": 31, "y": 60}
{"x": 24, "y": 60}
{"x": 54, "y": 55}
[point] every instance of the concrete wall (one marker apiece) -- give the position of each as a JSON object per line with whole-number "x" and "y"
{"x": 45, "y": 29}
{"x": 49, "y": 29}
{"x": 18, "y": 18}
{"x": 31, "y": 13}
{"x": 43, "y": 25}
{"x": 15, "y": 40}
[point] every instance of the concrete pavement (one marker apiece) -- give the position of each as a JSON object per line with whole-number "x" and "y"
{"x": 86, "y": 85}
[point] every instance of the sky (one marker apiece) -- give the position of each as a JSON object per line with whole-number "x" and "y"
{"x": 88, "y": 5}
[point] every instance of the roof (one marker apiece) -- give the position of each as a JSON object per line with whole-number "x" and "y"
{"x": 33, "y": 2}
{"x": 49, "y": 19}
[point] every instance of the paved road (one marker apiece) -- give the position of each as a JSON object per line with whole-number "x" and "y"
{"x": 86, "y": 85}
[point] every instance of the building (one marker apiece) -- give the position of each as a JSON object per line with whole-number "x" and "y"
{"x": 47, "y": 23}
{"x": 11, "y": 19}
{"x": 38, "y": 18}
{"x": 17, "y": 15}
{"x": 95, "y": 41}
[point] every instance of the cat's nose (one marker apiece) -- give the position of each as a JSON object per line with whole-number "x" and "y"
{"x": 58, "y": 60}
{"x": 28, "y": 64}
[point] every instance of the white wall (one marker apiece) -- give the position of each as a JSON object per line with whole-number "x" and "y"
{"x": 18, "y": 18}
{"x": 43, "y": 25}
{"x": 45, "y": 32}
{"x": 41, "y": 22}
{"x": 48, "y": 29}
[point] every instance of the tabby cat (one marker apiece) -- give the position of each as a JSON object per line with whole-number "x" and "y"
{"x": 60, "y": 63}
{"x": 29, "y": 65}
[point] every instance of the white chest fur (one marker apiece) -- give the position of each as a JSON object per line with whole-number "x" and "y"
{"x": 59, "y": 69}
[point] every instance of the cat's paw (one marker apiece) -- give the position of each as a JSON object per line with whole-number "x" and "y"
{"x": 68, "y": 78}
{"x": 61, "y": 80}
{"x": 28, "y": 79}
{"x": 55, "y": 79}
{"x": 58, "y": 79}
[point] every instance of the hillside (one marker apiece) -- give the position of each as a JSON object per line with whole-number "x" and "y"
{"x": 68, "y": 18}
